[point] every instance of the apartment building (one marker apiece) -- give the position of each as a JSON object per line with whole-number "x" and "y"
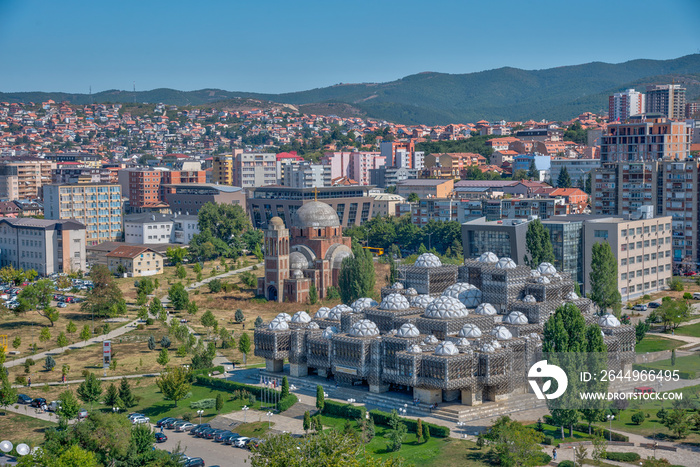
{"x": 645, "y": 139}
{"x": 578, "y": 169}
{"x": 190, "y": 197}
{"x": 666, "y": 99}
{"x": 155, "y": 228}
{"x": 246, "y": 170}
{"x": 361, "y": 163}
{"x": 97, "y": 206}
{"x": 524, "y": 208}
{"x": 306, "y": 175}
{"x": 451, "y": 165}
{"x": 9, "y": 183}
{"x": 402, "y": 154}
{"x": 47, "y": 246}
{"x": 390, "y": 176}
{"x": 425, "y": 188}
{"x": 72, "y": 175}
{"x": 385, "y": 204}
{"x": 438, "y": 209}
{"x": 31, "y": 173}
{"x": 625, "y": 104}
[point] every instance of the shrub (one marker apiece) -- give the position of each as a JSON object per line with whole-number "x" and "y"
{"x": 20, "y": 379}
{"x": 382, "y": 418}
{"x": 149, "y": 322}
{"x": 566, "y": 464}
{"x": 646, "y": 297}
{"x": 676, "y": 285}
{"x": 687, "y": 296}
{"x": 332, "y": 293}
{"x": 165, "y": 342}
{"x": 239, "y": 316}
{"x": 638, "y": 417}
{"x": 583, "y": 427}
{"x": 229, "y": 386}
{"x": 187, "y": 416}
{"x": 140, "y": 327}
{"x": 286, "y": 402}
{"x": 338, "y": 409}
{"x": 49, "y": 363}
{"x": 203, "y": 404}
{"x": 622, "y": 456}
{"x": 542, "y": 458}
{"x": 547, "y": 440}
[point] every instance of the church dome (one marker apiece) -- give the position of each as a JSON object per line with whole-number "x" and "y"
{"x": 315, "y": 214}
{"x": 298, "y": 261}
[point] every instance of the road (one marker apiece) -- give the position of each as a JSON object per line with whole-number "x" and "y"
{"x": 212, "y": 453}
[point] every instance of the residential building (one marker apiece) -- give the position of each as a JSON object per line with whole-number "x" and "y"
{"x": 9, "y": 183}
{"x": 575, "y": 198}
{"x": 451, "y": 165}
{"x": 361, "y": 163}
{"x": 438, "y": 209}
{"x": 352, "y": 203}
{"x": 402, "y": 154}
{"x": 524, "y": 162}
{"x": 666, "y": 99}
{"x": 32, "y": 174}
{"x": 389, "y": 176}
{"x": 691, "y": 109}
{"x": 385, "y": 204}
{"x": 645, "y": 138}
{"x": 306, "y": 175}
{"x": 623, "y": 105}
{"x": 469, "y": 210}
{"x": 523, "y": 208}
{"x": 97, "y": 206}
{"x": 135, "y": 261}
{"x": 47, "y": 246}
{"x": 97, "y": 254}
{"x": 425, "y": 188}
{"x": 144, "y": 189}
{"x": 578, "y": 169}
{"x": 72, "y": 175}
{"x": 223, "y": 171}
{"x": 246, "y": 170}
{"x": 524, "y": 188}
{"x": 190, "y": 197}
{"x": 339, "y": 162}
{"x": 151, "y": 228}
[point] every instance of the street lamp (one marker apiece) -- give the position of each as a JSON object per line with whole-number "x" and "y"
{"x": 115, "y": 409}
{"x": 245, "y": 410}
{"x": 610, "y": 418}
{"x": 269, "y": 415}
{"x": 462, "y": 425}
{"x": 325, "y": 394}
{"x": 200, "y": 412}
{"x": 351, "y": 401}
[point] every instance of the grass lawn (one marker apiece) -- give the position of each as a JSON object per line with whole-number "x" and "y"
{"x": 555, "y": 433}
{"x": 253, "y": 429}
{"x": 689, "y": 363}
{"x": 690, "y": 330}
{"x": 655, "y": 343}
{"x": 23, "y": 429}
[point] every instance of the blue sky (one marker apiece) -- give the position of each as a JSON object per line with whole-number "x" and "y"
{"x": 282, "y": 46}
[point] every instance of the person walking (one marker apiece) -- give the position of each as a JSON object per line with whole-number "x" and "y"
{"x": 554, "y": 454}
{"x": 29, "y": 382}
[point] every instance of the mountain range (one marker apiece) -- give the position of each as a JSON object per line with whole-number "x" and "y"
{"x": 433, "y": 98}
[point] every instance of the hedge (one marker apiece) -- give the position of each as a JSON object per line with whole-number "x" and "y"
{"x": 542, "y": 458}
{"x": 583, "y": 428}
{"x": 287, "y": 402}
{"x": 622, "y": 456}
{"x": 382, "y": 418}
{"x": 257, "y": 391}
{"x": 203, "y": 404}
{"x": 206, "y": 371}
{"x": 566, "y": 464}
{"x": 338, "y": 409}
{"x": 682, "y": 374}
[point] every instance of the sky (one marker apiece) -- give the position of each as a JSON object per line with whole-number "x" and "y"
{"x": 283, "y": 46}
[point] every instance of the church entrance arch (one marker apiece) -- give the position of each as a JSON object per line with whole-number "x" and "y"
{"x": 272, "y": 293}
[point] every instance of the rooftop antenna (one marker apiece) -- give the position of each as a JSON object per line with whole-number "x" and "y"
{"x": 91, "y": 95}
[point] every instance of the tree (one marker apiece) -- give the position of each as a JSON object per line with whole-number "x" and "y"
{"x": 178, "y": 296}
{"x": 320, "y": 398}
{"x": 44, "y": 335}
{"x": 208, "y": 320}
{"x": 257, "y": 252}
{"x": 176, "y": 255}
{"x": 533, "y": 173}
{"x": 306, "y": 424}
{"x": 227, "y": 340}
{"x": 69, "y": 406}
{"x": 163, "y": 357}
{"x": 419, "y": 431}
{"x": 678, "y": 422}
{"x": 16, "y": 342}
{"x": 85, "y": 333}
{"x": 71, "y": 328}
{"x": 239, "y": 317}
{"x": 49, "y": 363}
{"x": 285, "y": 388}
{"x": 8, "y": 395}
{"x": 513, "y": 443}
{"x": 105, "y": 299}
{"x": 141, "y": 438}
{"x": 539, "y": 244}
{"x": 640, "y": 330}
{"x": 215, "y": 286}
{"x": 258, "y": 322}
{"x": 180, "y": 272}
{"x": 357, "y": 275}
{"x": 673, "y": 357}
{"x": 564, "y": 180}
{"x": 603, "y": 277}
{"x": 676, "y": 285}
{"x": 397, "y": 432}
{"x": 90, "y": 390}
{"x": 219, "y": 402}
{"x": 165, "y": 342}
{"x": 244, "y": 346}
{"x": 112, "y": 396}
{"x": 62, "y": 340}
{"x": 38, "y": 296}
{"x": 192, "y": 308}
{"x": 151, "y": 342}
{"x": 174, "y": 383}
{"x": 413, "y": 198}
{"x": 638, "y": 417}
{"x": 600, "y": 447}
{"x": 223, "y": 221}
{"x": 145, "y": 286}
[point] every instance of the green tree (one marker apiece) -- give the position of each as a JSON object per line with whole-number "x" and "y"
{"x": 165, "y": 342}
{"x": 71, "y": 328}
{"x": 16, "y": 342}
{"x": 357, "y": 275}
{"x": 178, "y": 296}
{"x": 257, "y": 252}
{"x": 413, "y": 198}
{"x": 603, "y": 277}
{"x": 192, "y": 308}
{"x": 673, "y": 357}
{"x": 678, "y": 422}
{"x": 145, "y": 286}
{"x": 258, "y": 322}
{"x": 306, "y": 424}
{"x": 320, "y": 398}
{"x": 284, "y": 392}
{"x": 105, "y": 299}
{"x": 208, "y": 320}
{"x": 533, "y": 173}
{"x": 151, "y": 342}
{"x": 397, "y": 432}
{"x": 215, "y": 286}
{"x": 125, "y": 394}
{"x": 313, "y": 294}
{"x": 141, "y": 441}
{"x": 85, "y": 333}
{"x": 638, "y": 417}
{"x": 90, "y": 389}
{"x": 426, "y": 433}
{"x": 539, "y": 244}
{"x": 176, "y": 255}
{"x": 69, "y": 406}
{"x": 513, "y": 443}
{"x": 44, "y": 335}
{"x": 419, "y": 431}
{"x": 564, "y": 180}
{"x": 640, "y": 330}
{"x": 38, "y": 296}
{"x": 180, "y": 272}
{"x": 8, "y": 395}
{"x": 239, "y": 317}
{"x": 219, "y": 402}
{"x": 174, "y": 383}
{"x": 244, "y": 346}
{"x": 112, "y": 396}
{"x": 163, "y": 357}
{"x": 49, "y": 363}
{"x": 62, "y": 340}
{"x": 197, "y": 268}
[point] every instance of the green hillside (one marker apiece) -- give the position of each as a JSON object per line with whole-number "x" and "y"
{"x": 438, "y": 98}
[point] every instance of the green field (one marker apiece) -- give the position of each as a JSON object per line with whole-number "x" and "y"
{"x": 555, "y": 433}
{"x": 20, "y": 428}
{"x": 689, "y": 364}
{"x": 690, "y": 330}
{"x": 655, "y": 343}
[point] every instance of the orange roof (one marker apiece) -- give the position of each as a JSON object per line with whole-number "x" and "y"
{"x": 568, "y": 192}
{"x": 128, "y": 251}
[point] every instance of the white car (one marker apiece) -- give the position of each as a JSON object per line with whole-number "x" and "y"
{"x": 184, "y": 426}
{"x": 140, "y": 420}
{"x": 240, "y": 442}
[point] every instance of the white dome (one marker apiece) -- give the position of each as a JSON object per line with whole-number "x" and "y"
{"x": 312, "y": 325}
{"x": 446, "y": 307}
{"x": 430, "y": 340}
{"x": 394, "y": 302}
{"x": 470, "y": 331}
{"x": 397, "y": 286}
{"x": 411, "y": 291}
{"x": 421, "y": 301}
{"x": 529, "y": 299}
{"x": 506, "y": 263}
{"x": 485, "y": 309}
{"x": 408, "y": 330}
{"x": 297, "y": 260}
{"x": 278, "y": 324}
{"x": 488, "y": 257}
{"x": 463, "y": 342}
{"x": 465, "y": 293}
{"x": 361, "y": 304}
{"x": 501, "y": 333}
{"x": 496, "y": 344}
{"x": 329, "y": 331}
{"x": 297, "y": 274}
{"x": 543, "y": 280}
{"x": 415, "y": 349}
{"x": 364, "y": 328}
{"x": 546, "y": 269}
{"x": 572, "y": 296}
{"x": 322, "y": 313}
{"x": 284, "y": 316}
{"x": 534, "y": 273}
{"x": 515, "y": 317}
{"x": 301, "y": 317}
{"x": 608, "y": 321}
{"x": 446, "y": 348}
{"x": 487, "y": 348}
{"x": 428, "y": 260}
{"x": 336, "y": 311}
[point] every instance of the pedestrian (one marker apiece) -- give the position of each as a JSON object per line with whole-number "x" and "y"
{"x": 29, "y": 382}
{"x": 554, "y": 454}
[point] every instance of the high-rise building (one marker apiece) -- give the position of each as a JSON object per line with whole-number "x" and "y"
{"x": 645, "y": 139}
{"x": 144, "y": 189}
{"x": 244, "y": 169}
{"x": 625, "y": 104}
{"x": 666, "y": 99}
{"x": 31, "y": 172}
{"x": 98, "y": 206}
{"x": 306, "y": 175}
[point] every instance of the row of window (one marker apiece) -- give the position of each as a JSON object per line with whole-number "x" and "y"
{"x": 642, "y": 287}
{"x": 645, "y": 272}
{"x": 646, "y": 229}
{"x": 646, "y": 243}
{"x": 640, "y": 258}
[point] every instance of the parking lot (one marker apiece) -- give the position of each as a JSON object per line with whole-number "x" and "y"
{"x": 212, "y": 453}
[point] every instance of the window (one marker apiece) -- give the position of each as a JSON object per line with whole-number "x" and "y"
{"x": 639, "y": 230}
{"x": 623, "y": 276}
{"x": 646, "y": 243}
{"x": 623, "y": 262}
{"x": 653, "y": 228}
{"x": 653, "y": 256}
{"x": 631, "y": 246}
{"x": 646, "y": 272}
{"x": 653, "y": 242}
{"x": 646, "y": 229}
{"x": 623, "y": 233}
{"x": 600, "y": 234}
{"x": 623, "y": 247}
{"x": 639, "y": 244}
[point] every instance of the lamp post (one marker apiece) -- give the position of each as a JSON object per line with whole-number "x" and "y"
{"x": 115, "y": 409}
{"x": 462, "y": 425}
{"x": 245, "y": 410}
{"x": 269, "y": 415}
{"x": 200, "y": 412}
{"x": 610, "y": 418}
{"x": 351, "y": 401}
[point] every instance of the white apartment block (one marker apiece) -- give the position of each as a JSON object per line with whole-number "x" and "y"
{"x": 305, "y": 175}
{"x": 253, "y": 170}
{"x": 152, "y": 228}
{"x": 98, "y": 206}
{"x": 623, "y": 105}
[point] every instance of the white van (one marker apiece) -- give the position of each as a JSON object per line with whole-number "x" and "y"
{"x": 696, "y": 296}
{"x": 54, "y": 406}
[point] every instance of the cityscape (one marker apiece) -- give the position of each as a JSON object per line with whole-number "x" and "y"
{"x": 464, "y": 266}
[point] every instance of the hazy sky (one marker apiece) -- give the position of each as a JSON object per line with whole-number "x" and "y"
{"x": 280, "y": 46}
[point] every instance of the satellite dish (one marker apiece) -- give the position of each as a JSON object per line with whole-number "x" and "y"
{"x": 6, "y": 446}
{"x": 22, "y": 449}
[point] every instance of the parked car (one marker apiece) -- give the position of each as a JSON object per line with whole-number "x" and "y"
{"x": 194, "y": 462}
{"x": 82, "y": 413}
{"x": 23, "y": 399}
{"x": 240, "y": 442}
{"x": 221, "y": 435}
{"x": 170, "y": 424}
{"x": 252, "y": 443}
{"x": 231, "y": 439}
{"x": 135, "y": 415}
{"x": 140, "y": 420}
{"x": 205, "y": 432}
{"x": 54, "y": 406}
{"x": 160, "y": 437}
{"x": 640, "y": 307}
{"x": 690, "y": 273}
{"x": 211, "y": 434}
{"x": 654, "y": 304}
{"x": 38, "y": 402}
{"x": 61, "y": 305}
{"x": 696, "y": 296}
{"x": 187, "y": 426}
{"x": 162, "y": 421}
{"x": 179, "y": 423}
{"x": 197, "y": 428}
